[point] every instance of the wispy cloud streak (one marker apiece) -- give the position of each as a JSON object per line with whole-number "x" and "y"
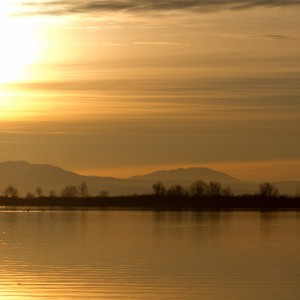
{"x": 59, "y": 7}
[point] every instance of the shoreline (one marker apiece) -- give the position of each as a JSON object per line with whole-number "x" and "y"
{"x": 151, "y": 202}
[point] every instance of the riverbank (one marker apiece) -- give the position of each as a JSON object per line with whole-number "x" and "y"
{"x": 247, "y": 202}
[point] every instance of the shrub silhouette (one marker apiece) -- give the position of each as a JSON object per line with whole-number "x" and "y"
{"x": 52, "y": 194}
{"x": 103, "y": 194}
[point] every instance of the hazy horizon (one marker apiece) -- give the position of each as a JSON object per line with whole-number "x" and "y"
{"x": 168, "y": 169}
{"x": 126, "y": 88}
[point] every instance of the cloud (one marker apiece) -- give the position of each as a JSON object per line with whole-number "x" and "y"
{"x": 59, "y": 7}
{"x": 278, "y": 37}
{"x": 159, "y": 44}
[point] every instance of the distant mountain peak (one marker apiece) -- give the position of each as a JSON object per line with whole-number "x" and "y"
{"x": 188, "y": 174}
{"x": 25, "y": 164}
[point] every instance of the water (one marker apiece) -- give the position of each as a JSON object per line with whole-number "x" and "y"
{"x": 149, "y": 255}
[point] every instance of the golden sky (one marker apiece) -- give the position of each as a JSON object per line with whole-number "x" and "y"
{"x": 124, "y": 87}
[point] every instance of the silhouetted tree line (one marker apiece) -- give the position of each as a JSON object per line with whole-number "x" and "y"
{"x": 198, "y": 188}
{"x": 69, "y": 191}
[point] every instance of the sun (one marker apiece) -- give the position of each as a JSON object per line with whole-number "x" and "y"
{"x": 18, "y": 43}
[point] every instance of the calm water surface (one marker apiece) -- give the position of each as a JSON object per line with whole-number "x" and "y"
{"x": 149, "y": 255}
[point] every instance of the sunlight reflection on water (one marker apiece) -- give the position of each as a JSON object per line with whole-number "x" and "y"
{"x": 149, "y": 255}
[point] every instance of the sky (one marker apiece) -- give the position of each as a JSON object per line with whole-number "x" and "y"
{"x": 120, "y": 88}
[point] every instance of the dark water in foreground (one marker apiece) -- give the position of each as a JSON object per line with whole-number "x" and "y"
{"x": 149, "y": 255}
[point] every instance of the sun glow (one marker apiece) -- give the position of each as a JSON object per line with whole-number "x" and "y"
{"x": 18, "y": 43}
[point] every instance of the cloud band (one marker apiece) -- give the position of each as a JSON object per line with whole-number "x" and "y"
{"x": 60, "y": 7}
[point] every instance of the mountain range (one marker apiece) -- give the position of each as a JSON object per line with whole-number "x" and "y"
{"x": 27, "y": 177}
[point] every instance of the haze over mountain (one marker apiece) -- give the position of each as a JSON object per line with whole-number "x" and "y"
{"x": 26, "y": 177}
{"x": 187, "y": 175}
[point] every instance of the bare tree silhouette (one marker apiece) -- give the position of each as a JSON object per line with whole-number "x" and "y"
{"x": 159, "y": 189}
{"x": 214, "y": 188}
{"x": 177, "y": 190}
{"x": 69, "y": 191}
{"x": 39, "y": 192}
{"x": 199, "y": 188}
{"x": 267, "y": 189}
{"x": 11, "y": 192}
{"x": 227, "y": 191}
{"x": 30, "y": 195}
{"x": 83, "y": 190}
